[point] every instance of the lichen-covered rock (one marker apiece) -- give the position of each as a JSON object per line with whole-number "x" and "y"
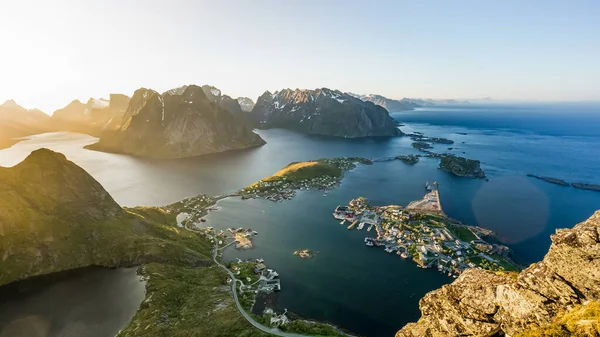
{"x": 481, "y": 303}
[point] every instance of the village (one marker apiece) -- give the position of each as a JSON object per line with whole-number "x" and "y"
{"x": 323, "y": 175}
{"x": 423, "y": 233}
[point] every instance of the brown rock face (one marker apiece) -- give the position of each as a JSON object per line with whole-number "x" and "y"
{"x": 481, "y": 303}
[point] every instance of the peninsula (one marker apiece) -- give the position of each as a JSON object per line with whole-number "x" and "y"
{"x": 322, "y": 174}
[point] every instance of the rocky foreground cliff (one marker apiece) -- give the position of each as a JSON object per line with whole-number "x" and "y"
{"x": 182, "y": 122}
{"x": 322, "y": 112}
{"x": 483, "y": 304}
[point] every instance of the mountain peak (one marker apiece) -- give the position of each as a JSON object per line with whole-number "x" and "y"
{"x": 322, "y": 111}
{"x": 11, "y": 104}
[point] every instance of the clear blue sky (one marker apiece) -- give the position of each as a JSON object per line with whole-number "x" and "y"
{"x": 55, "y": 51}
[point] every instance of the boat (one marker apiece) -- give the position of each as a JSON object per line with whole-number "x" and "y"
{"x": 370, "y": 227}
{"x": 404, "y": 255}
{"x": 369, "y": 243}
{"x": 361, "y": 225}
{"x": 341, "y": 223}
{"x": 255, "y": 232}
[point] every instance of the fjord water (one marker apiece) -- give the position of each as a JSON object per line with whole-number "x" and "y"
{"x": 94, "y": 302}
{"x": 366, "y": 290}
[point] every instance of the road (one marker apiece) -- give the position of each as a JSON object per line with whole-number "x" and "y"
{"x": 273, "y": 331}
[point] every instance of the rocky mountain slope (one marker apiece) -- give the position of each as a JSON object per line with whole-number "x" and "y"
{"x": 481, "y": 303}
{"x": 179, "y": 123}
{"x": 391, "y": 105}
{"x": 224, "y": 101}
{"x": 322, "y": 112}
{"x": 93, "y": 117}
{"x": 55, "y": 217}
{"x": 16, "y": 121}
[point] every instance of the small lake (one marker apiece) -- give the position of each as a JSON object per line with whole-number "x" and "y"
{"x": 93, "y": 302}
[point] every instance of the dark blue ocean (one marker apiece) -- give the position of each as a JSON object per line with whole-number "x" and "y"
{"x": 359, "y": 288}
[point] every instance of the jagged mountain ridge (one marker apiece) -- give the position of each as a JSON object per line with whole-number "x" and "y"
{"x": 179, "y": 123}
{"x": 322, "y": 112}
{"x": 481, "y": 303}
{"x": 93, "y": 117}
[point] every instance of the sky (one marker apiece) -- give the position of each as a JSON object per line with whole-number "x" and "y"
{"x": 56, "y": 51}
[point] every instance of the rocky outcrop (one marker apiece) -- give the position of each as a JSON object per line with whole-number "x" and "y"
{"x": 483, "y": 304}
{"x": 408, "y": 159}
{"x": 589, "y": 187}
{"x": 581, "y": 186}
{"x": 182, "y": 122}
{"x": 322, "y": 112}
{"x": 550, "y": 180}
{"x": 94, "y": 117}
{"x": 246, "y": 103}
{"x": 461, "y": 166}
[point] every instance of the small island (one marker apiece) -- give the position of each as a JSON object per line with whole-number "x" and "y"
{"x": 410, "y": 159}
{"x": 589, "y": 187}
{"x": 322, "y": 174}
{"x": 550, "y": 180}
{"x": 461, "y": 166}
{"x": 304, "y": 253}
{"x": 561, "y": 182}
{"x": 421, "y": 146}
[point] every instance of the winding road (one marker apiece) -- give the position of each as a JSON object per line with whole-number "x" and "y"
{"x": 273, "y": 331}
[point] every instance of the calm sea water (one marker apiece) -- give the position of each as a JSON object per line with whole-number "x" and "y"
{"x": 366, "y": 290}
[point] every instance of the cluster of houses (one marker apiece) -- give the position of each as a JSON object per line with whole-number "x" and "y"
{"x": 279, "y": 190}
{"x": 268, "y": 278}
{"x": 428, "y": 242}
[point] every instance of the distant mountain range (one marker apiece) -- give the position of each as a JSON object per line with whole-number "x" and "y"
{"x": 182, "y": 122}
{"x": 323, "y": 112}
{"x": 394, "y": 105}
{"x": 211, "y": 121}
{"x": 93, "y": 117}
{"x": 16, "y": 121}
{"x": 391, "y": 105}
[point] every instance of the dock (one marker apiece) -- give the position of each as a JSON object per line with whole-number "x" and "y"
{"x": 353, "y": 224}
